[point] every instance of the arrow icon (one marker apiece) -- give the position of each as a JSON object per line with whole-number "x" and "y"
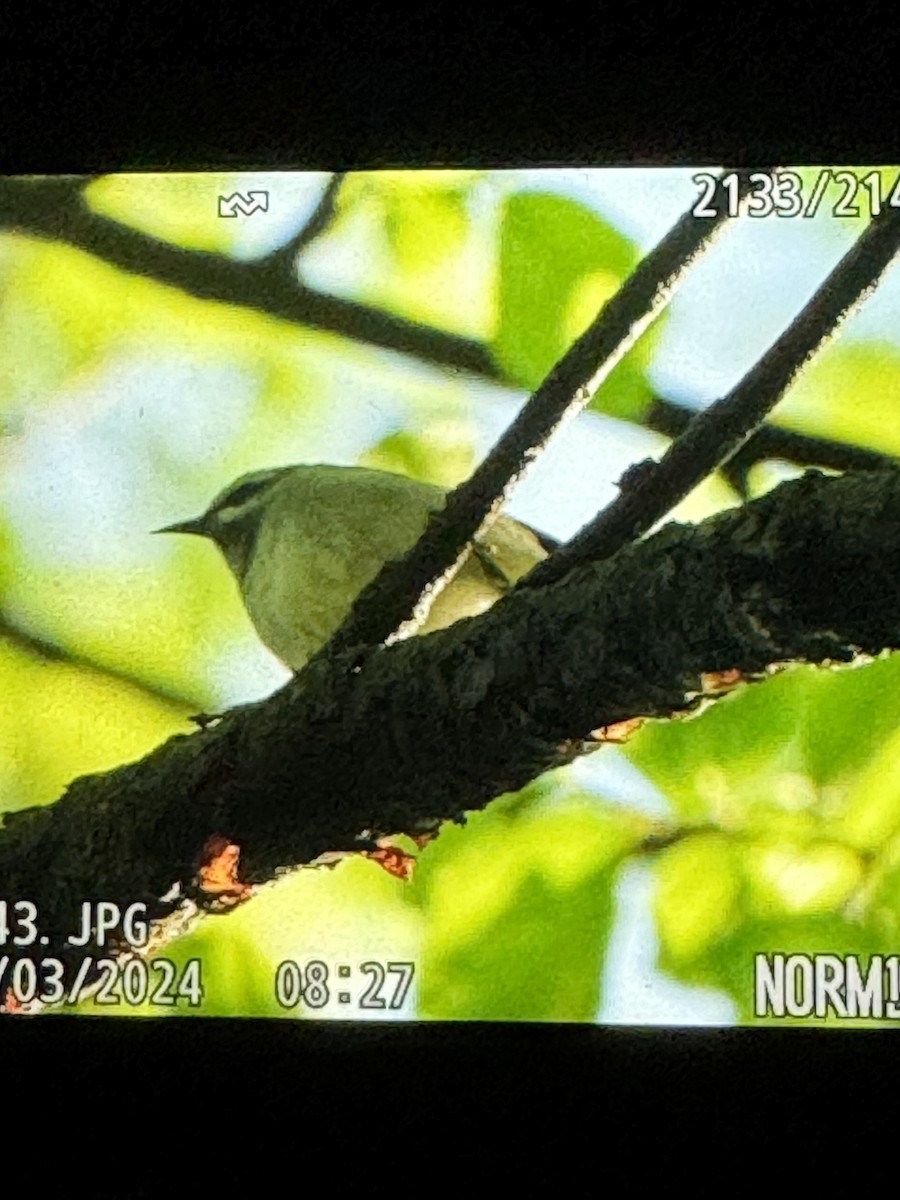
{"x": 249, "y": 203}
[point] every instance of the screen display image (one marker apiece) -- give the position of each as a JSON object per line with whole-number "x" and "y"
{"x": 451, "y": 595}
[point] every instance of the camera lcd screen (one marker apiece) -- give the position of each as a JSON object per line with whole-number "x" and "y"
{"x": 451, "y": 595}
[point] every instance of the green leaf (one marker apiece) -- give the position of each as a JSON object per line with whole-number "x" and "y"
{"x": 783, "y": 754}
{"x": 182, "y": 209}
{"x": 444, "y": 454}
{"x": 792, "y": 787}
{"x": 425, "y": 226}
{"x": 851, "y": 393}
{"x": 518, "y": 912}
{"x": 698, "y": 890}
{"x": 59, "y": 720}
{"x": 412, "y": 247}
{"x": 722, "y": 901}
{"x": 559, "y": 263}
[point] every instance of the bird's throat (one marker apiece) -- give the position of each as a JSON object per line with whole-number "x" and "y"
{"x": 239, "y": 551}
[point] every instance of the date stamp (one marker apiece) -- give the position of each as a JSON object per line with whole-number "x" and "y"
{"x": 40, "y": 966}
{"x": 102, "y": 981}
{"x": 370, "y": 986}
{"x": 103, "y": 957}
{"x": 841, "y": 193}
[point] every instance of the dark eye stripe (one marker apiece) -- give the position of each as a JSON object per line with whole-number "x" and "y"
{"x": 243, "y": 493}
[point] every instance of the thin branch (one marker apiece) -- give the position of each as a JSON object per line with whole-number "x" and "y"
{"x": 316, "y": 225}
{"x": 396, "y": 602}
{"x": 439, "y": 724}
{"x": 770, "y": 442}
{"x": 663, "y": 837}
{"x": 359, "y": 322}
{"x": 47, "y": 651}
{"x": 45, "y": 208}
{"x": 652, "y": 490}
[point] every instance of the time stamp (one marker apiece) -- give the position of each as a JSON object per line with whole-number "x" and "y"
{"x": 127, "y": 978}
{"x": 841, "y": 193}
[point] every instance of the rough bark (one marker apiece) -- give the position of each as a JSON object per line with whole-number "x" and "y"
{"x": 402, "y": 737}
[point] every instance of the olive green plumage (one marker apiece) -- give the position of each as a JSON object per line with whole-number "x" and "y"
{"x": 303, "y": 542}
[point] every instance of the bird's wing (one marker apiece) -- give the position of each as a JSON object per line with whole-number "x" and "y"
{"x": 547, "y": 542}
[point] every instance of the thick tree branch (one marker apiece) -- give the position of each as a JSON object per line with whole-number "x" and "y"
{"x": 398, "y": 739}
{"x": 414, "y": 733}
{"x": 719, "y": 431}
{"x": 396, "y": 602}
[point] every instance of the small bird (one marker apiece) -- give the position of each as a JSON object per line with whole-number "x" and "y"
{"x": 304, "y": 541}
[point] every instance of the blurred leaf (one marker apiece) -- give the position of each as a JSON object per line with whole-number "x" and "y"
{"x": 879, "y": 898}
{"x": 697, "y": 895}
{"x": 406, "y": 241}
{"x": 851, "y": 393}
{"x": 59, "y": 721}
{"x": 798, "y": 783}
{"x": 720, "y": 902}
{"x": 518, "y": 912}
{"x": 345, "y": 917}
{"x": 712, "y": 496}
{"x": 94, "y": 314}
{"x": 425, "y": 227}
{"x": 872, "y": 813}
{"x": 559, "y": 263}
{"x": 146, "y": 624}
{"x": 182, "y": 209}
{"x": 784, "y": 754}
{"x": 794, "y": 878}
{"x": 444, "y": 454}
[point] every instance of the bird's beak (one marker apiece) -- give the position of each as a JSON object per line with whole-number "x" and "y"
{"x": 197, "y": 525}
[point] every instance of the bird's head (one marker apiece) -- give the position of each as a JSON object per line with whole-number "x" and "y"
{"x": 233, "y": 518}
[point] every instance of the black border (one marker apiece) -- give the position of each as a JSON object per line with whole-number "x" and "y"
{"x": 381, "y": 1099}
{"x": 440, "y": 86}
